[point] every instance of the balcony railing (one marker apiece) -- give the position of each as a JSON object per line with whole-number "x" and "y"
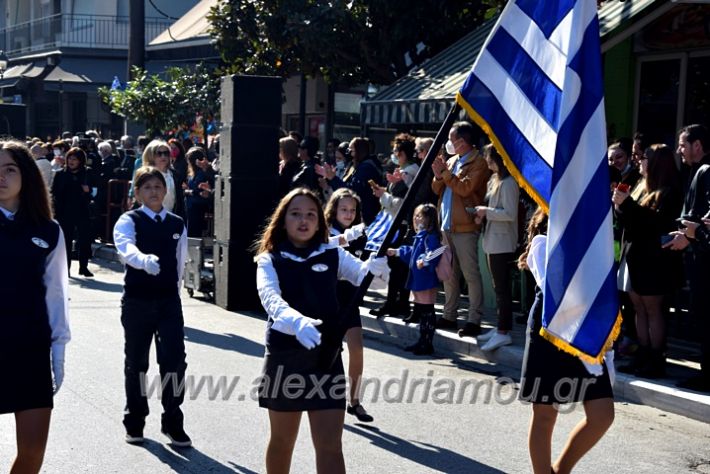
{"x": 74, "y": 31}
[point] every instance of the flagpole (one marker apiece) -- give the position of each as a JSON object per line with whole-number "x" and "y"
{"x": 404, "y": 209}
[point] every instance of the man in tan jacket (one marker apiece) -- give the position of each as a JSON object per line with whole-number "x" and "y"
{"x": 460, "y": 183}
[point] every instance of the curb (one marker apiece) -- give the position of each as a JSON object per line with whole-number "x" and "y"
{"x": 657, "y": 394}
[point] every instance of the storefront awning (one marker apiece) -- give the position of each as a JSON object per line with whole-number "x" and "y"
{"x": 427, "y": 93}
{"x": 82, "y": 74}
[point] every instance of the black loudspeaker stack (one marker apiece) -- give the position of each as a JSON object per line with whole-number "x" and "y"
{"x": 246, "y": 190}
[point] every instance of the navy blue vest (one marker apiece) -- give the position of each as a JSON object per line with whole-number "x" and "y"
{"x": 159, "y": 239}
{"x": 24, "y": 248}
{"x": 309, "y": 288}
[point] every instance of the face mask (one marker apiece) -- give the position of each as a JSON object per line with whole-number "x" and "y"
{"x": 450, "y": 148}
{"x": 339, "y": 165}
{"x": 394, "y": 159}
{"x": 57, "y": 152}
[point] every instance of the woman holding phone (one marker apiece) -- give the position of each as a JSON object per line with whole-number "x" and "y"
{"x": 654, "y": 271}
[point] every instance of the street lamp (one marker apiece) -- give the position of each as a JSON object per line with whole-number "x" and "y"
{"x": 3, "y": 63}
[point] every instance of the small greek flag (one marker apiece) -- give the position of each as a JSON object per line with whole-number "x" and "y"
{"x": 116, "y": 84}
{"x": 377, "y": 231}
{"x": 537, "y": 91}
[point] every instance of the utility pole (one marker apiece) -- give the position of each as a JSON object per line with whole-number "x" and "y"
{"x": 136, "y": 40}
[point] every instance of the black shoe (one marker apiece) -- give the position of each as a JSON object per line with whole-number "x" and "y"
{"x": 360, "y": 413}
{"x": 423, "y": 349}
{"x": 698, "y": 383}
{"x": 177, "y": 437}
{"x": 470, "y": 330}
{"x": 85, "y": 272}
{"x": 382, "y": 311}
{"x": 134, "y": 436}
{"x": 403, "y": 310}
{"x": 413, "y": 318}
{"x": 444, "y": 323}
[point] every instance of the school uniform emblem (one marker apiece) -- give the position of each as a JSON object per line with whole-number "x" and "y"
{"x": 176, "y": 236}
{"x": 40, "y": 243}
{"x": 319, "y": 267}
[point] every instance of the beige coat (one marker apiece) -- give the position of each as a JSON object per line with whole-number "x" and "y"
{"x": 501, "y": 232}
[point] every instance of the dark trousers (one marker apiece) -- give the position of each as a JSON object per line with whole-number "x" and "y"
{"x": 143, "y": 319}
{"x": 78, "y": 228}
{"x": 397, "y": 294}
{"x": 700, "y": 305}
{"x": 500, "y": 265}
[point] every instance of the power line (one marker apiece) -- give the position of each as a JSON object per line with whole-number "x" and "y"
{"x": 162, "y": 12}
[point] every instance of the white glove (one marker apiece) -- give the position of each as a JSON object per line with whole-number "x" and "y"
{"x": 58, "y": 365}
{"x": 151, "y": 265}
{"x": 354, "y": 232}
{"x": 306, "y": 332}
{"x": 378, "y": 266}
{"x": 293, "y": 323}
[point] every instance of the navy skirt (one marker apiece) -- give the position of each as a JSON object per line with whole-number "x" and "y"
{"x": 27, "y": 377}
{"x": 550, "y": 375}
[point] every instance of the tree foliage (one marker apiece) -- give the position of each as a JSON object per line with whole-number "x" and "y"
{"x": 167, "y": 100}
{"x": 346, "y": 41}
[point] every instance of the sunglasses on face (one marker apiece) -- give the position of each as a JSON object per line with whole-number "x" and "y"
{"x": 162, "y": 153}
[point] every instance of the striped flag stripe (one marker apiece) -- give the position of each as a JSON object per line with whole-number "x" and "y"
{"x": 533, "y": 82}
{"x": 545, "y": 16}
{"x": 519, "y": 109}
{"x": 546, "y": 54}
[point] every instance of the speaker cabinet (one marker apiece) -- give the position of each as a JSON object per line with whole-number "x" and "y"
{"x": 246, "y": 190}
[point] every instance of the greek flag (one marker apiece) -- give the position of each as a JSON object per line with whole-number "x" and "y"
{"x": 116, "y": 84}
{"x": 377, "y": 231}
{"x": 536, "y": 90}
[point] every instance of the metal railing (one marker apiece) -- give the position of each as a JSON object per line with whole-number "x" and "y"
{"x": 74, "y": 31}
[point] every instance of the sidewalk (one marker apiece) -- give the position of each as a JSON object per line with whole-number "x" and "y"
{"x": 658, "y": 393}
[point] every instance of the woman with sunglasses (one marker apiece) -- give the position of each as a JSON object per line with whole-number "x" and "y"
{"x": 158, "y": 154}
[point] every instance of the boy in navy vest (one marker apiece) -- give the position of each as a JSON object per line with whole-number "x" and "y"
{"x": 152, "y": 243}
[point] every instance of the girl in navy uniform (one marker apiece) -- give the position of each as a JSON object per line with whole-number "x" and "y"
{"x": 152, "y": 243}
{"x": 33, "y": 291}
{"x": 347, "y": 230}
{"x": 551, "y": 377}
{"x": 297, "y": 274}
{"x": 422, "y": 280}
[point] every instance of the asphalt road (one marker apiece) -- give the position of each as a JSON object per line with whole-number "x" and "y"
{"x": 415, "y": 430}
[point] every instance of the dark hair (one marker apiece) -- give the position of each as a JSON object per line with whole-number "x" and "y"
{"x": 311, "y": 145}
{"x": 193, "y": 154}
{"x": 331, "y": 208}
{"x": 468, "y": 132}
{"x": 145, "y": 174}
{"x": 404, "y": 142}
{"x": 77, "y": 153}
{"x": 490, "y": 152}
{"x": 181, "y": 155}
{"x": 662, "y": 174}
{"x": 143, "y": 141}
{"x": 361, "y": 147}
{"x": 275, "y": 231}
{"x": 344, "y": 149}
{"x": 295, "y": 135}
{"x": 536, "y": 226}
{"x": 639, "y": 137}
{"x": 61, "y": 144}
{"x": 34, "y": 196}
{"x": 431, "y": 214}
{"x": 697, "y": 132}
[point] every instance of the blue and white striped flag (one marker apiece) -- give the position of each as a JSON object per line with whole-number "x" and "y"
{"x": 377, "y": 231}
{"x": 536, "y": 89}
